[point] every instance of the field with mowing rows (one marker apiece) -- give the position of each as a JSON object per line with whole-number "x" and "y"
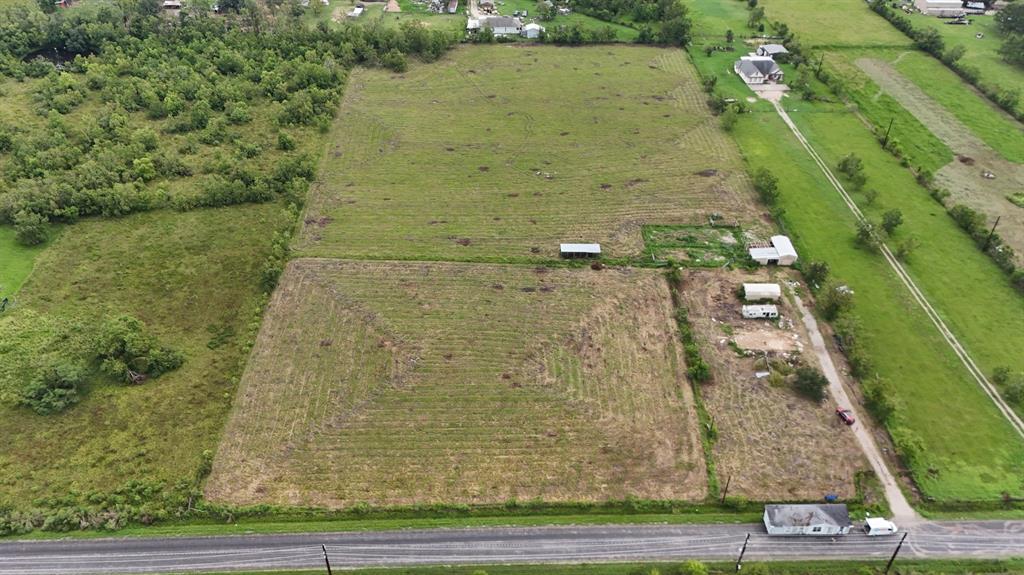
{"x": 498, "y": 153}
{"x": 834, "y": 23}
{"x": 404, "y": 383}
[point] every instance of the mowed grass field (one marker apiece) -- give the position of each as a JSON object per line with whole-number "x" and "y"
{"x": 408, "y": 383}
{"x": 193, "y": 279}
{"x": 834, "y": 23}
{"x": 982, "y": 53}
{"x": 971, "y": 452}
{"x": 499, "y": 153}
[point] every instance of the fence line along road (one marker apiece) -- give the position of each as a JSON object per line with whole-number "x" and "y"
{"x": 947, "y": 334}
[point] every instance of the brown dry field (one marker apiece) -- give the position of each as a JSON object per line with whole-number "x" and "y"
{"x": 963, "y": 176}
{"x": 409, "y": 383}
{"x": 774, "y": 444}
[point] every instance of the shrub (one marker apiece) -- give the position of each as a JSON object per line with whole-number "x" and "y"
{"x": 810, "y": 383}
{"x": 834, "y": 300}
{"x": 891, "y": 220}
{"x": 767, "y": 186}
{"x": 126, "y": 351}
{"x": 30, "y": 228}
{"x": 54, "y": 389}
{"x": 816, "y": 273}
{"x": 1015, "y": 393}
{"x": 729, "y": 119}
{"x": 285, "y": 142}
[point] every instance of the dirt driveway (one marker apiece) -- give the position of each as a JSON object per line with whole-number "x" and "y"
{"x": 963, "y": 176}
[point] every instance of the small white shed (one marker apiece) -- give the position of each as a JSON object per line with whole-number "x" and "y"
{"x": 579, "y": 250}
{"x": 532, "y": 30}
{"x": 768, "y": 311}
{"x": 779, "y": 251}
{"x": 757, "y": 292}
{"x": 807, "y": 519}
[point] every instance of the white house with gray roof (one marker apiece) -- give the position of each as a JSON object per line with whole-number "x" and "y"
{"x": 503, "y": 25}
{"x": 756, "y": 69}
{"x": 771, "y": 50}
{"x": 807, "y": 519}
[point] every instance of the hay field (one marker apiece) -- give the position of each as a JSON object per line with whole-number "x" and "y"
{"x": 403, "y": 383}
{"x": 498, "y": 153}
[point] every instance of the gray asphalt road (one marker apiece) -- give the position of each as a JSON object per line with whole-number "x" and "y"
{"x": 988, "y": 539}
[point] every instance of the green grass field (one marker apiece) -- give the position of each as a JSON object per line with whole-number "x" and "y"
{"x": 995, "y": 127}
{"x": 622, "y": 33}
{"x": 974, "y": 454}
{"x": 982, "y": 53}
{"x": 190, "y": 277}
{"x": 834, "y": 23}
{"x": 499, "y": 153}
{"x": 15, "y": 261}
{"x": 398, "y": 383}
{"x": 711, "y": 18}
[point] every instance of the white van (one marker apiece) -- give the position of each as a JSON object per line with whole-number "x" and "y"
{"x": 878, "y": 526}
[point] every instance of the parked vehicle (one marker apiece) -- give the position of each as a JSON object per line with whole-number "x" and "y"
{"x": 845, "y": 415}
{"x": 875, "y": 526}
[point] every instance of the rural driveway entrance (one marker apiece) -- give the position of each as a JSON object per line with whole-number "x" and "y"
{"x": 903, "y": 513}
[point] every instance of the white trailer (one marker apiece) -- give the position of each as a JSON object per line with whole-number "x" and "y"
{"x": 760, "y": 311}
{"x": 757, "y": 292}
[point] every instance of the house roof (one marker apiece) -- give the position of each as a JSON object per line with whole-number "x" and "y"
{"x": 774, "y": 49}
{"x": 580, "y": 248}
{"x": 783, "y": 245}
{"x": 533, "y": 26}
{"x": 764, "y": 253}
{"x": 804, "y": 515}
{"x": 501, "y": 22}
{"x": 757, "y": 66}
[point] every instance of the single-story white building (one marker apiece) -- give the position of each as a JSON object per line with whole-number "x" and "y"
{"x": 579, "y": 250}
{"x": 941, "y": 8}
{"x": 757, "y": 292}
{"x": 807, "y": 519}
{"x": 532, "y": 30}
{"x": 768, "y": 311}
{"x": 756, "y": 69}
{"x": 771, "y": 50}
{"x": 503, "y": 25}
{"x": 779, "y": 251}
{"x": 355, "y": 12}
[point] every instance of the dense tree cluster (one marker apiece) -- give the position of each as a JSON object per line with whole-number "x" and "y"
{"x": 1010, "y": 22}
{"x": 200, "y": 79}
{"x": 660, "y": 21}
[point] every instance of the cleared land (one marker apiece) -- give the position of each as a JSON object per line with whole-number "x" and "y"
{"x": 192, "y": 277}
{"x": 502, "y": 152}
{"x": 772, "y": 443}
{"x": 962, "y": 177}
{"x": 400, "y": 383}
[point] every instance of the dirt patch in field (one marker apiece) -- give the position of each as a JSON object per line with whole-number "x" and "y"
{"x": 965, "y": 176}
{"x": 773, "y": 443}
{"x": 461, "y": 383}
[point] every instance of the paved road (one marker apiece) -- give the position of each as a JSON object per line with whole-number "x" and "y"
{"x": 902, "y": 512}
{"x": 492, "y": 545}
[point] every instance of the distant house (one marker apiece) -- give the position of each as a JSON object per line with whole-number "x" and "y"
{"x": 579, "y": 250}
{"x": 771, "y": 50}
{"x": 824, "y": 519}
{"x": 532, "y": 31}
{"x": 940, "y": 8}
{"x": 758, "y": 70}
{"x": 172, "y": 5}
{"x": 779, "y": 251}
{"x": 503, "y": 25}
{"x": 453, "y": 6}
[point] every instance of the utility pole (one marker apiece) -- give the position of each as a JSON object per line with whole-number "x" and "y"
{"x": 739, "y": 560}
{"x": 885, "y": 141}
{"x": 726, "y": 490}
{"x": 328, "y": 561}
{"x": 991, "y": 233}
{"x": 895, "y": 553}
{"x": 820, "y": 60}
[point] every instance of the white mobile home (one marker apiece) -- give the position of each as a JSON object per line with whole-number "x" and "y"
{"x": 760, "y": 311}
{"x": 757, "y": 292}
{"x": 503, "y": 25}
{"x": 807, "y": 519}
